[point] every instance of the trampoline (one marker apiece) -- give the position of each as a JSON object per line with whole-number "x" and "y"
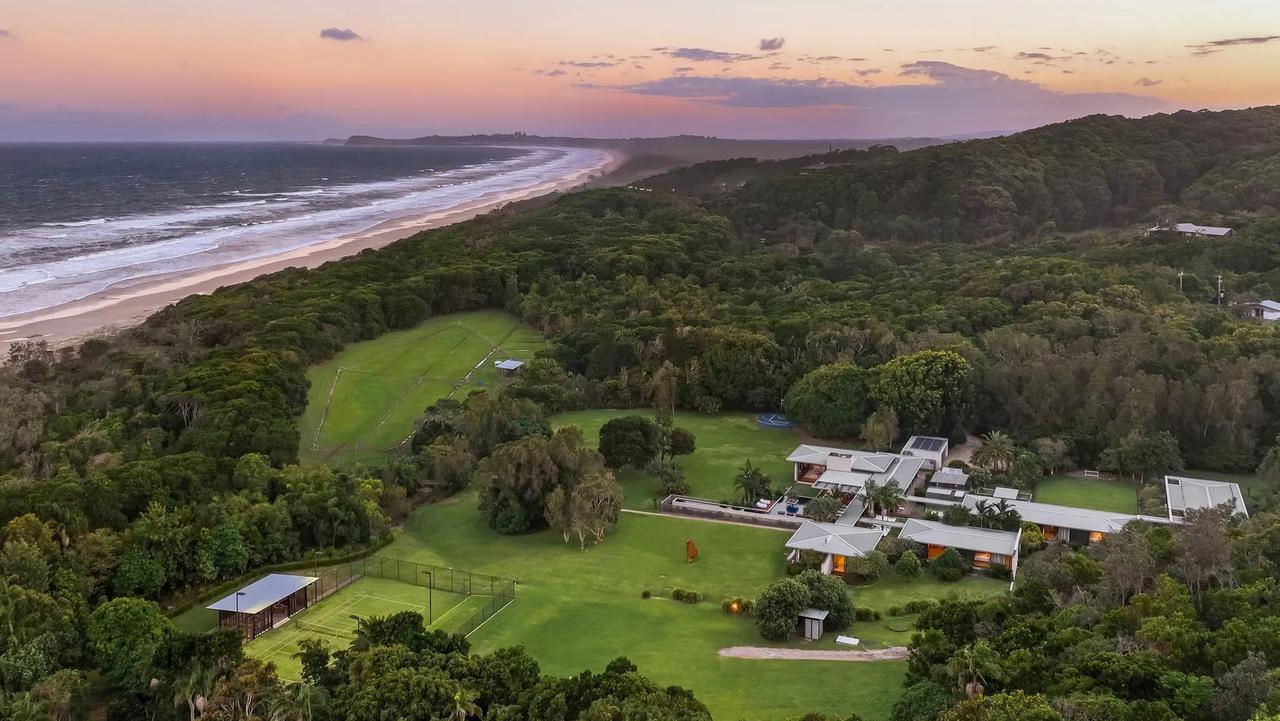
{"x": 774, "y": 420}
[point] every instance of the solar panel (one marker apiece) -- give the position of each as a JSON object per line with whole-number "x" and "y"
{"x": 928, "y": 444}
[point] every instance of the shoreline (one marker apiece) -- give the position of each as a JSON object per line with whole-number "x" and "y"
{"x": 129, "y": 303}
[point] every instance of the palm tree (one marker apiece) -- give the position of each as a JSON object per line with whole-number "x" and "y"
{"x": 192, "y": 689}
{"x": 996, "y": 453}
{"x": 889, "y": 496}
{"x": 869, "y": 492}
{"x": 364, "y": 632}
{"x": 463, "y": 705}
{"x": 295, "y": 702}
{"x": 972, "y": 666}
{"x": 751, "y": 483}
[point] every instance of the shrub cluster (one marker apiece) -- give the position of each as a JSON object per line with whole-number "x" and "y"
{"x": 865, "y": 613}
{"x": 685, "y": 596}
{"x": 949, "y": 566}
{"x": 866, "y": 570}
{"x": 744, "y": 606}
{"x": 917, "y": 606}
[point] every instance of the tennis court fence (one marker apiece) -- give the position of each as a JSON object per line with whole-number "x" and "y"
{"x": 500, "y": 591}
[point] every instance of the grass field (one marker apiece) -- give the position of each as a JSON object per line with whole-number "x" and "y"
{"x": 334, "y": 618}
{"x": 362, "y": 403}
{"x": 1098, "y": 493}
{"x": 724, "y": 442}
{"x": 577, "y": 609}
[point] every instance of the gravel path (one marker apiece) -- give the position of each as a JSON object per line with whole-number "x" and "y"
{"x": 892, "y": 653}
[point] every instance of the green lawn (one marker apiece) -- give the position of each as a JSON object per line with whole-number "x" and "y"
{"x": 362, "y": 403}
{"x": 334, "y": 618}
{"x": 578, "y": 609}
{"x": 724, "y": 442}
{"x": 1098, "y": 493}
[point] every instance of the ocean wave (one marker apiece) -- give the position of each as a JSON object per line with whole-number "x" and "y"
{"x": 281, "y": 193}
{"x": 77, "y": 223}
{"x": 128, "y": 249}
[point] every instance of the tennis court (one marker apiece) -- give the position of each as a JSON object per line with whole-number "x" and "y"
{"x": 334, "y": 619}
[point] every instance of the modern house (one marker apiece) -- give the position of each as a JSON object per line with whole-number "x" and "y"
{"x": 1187, "y": 494}
{"x": 1067, "y": 524}
{"x": 844, "y": 471}
{"x": 838, "y": 541}
{"x": 1081, "y": 526}
{"x": 986, "y": 547}
{"x": 845, "y": 474}
{"x": 931, "y": 448}
{"x": 1267, "y": 311}
{"x": 1201, "y": 231}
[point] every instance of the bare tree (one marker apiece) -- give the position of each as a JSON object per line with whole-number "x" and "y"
{"x": 1204, "y": 548}
{"x": 1127, "y": 566}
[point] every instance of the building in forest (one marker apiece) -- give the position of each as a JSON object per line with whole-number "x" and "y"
{"x": 265, "y": 603}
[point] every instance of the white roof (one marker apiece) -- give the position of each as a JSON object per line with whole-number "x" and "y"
{"x": 835, "y": 538}
{"x": 1202, "y": 229}
{"x": 842, "y": 480}
{"x": 1197, "y": 229}
{"x": 948, "y": 476}
{"x": 508, "y": 365}
{"x": 965, "y": 538}
{"x": 1006, "y": 493}
{"x": 1268, "y": 304}
{"x": 1080, "y": 519}
{"x": 854, "y": 468}
{"x": 263, "y": 592}
{"x": 1186, "y": 494}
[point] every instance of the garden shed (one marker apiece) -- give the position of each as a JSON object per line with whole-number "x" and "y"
{"x": 811, "y": 619}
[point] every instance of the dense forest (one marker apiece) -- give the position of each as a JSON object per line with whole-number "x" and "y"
{"x": 164, "y": 458}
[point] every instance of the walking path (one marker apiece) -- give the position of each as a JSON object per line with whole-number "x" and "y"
{"x": 893, "y": 653}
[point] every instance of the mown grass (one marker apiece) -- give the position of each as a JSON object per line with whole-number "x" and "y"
{"x": 577, "y": 609}
{"x": 362, "y": 403}
{"x": 1097, "y": 493}
{"x": 724, "y": 442}
{"x": 336, "y": 617}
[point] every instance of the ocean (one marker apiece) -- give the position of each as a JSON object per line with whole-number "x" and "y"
{"x": 77, "y": 219}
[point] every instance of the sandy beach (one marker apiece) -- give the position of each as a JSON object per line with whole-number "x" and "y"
{"x": 130, "y": 303}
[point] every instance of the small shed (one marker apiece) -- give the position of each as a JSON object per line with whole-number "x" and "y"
{"x": 812, "y": 619}
{"x": 1009, "y": 494}
{"x": 508, "y": 366}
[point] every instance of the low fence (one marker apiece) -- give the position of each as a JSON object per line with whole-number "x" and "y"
{"x": 180, "y": 603}
{"x": 501, "y": 591}
{"x": 702, "y": 508}
{"x": 506, "y": 593}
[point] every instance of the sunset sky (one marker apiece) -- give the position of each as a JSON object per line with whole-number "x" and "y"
{"x": 308, "y": 69}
